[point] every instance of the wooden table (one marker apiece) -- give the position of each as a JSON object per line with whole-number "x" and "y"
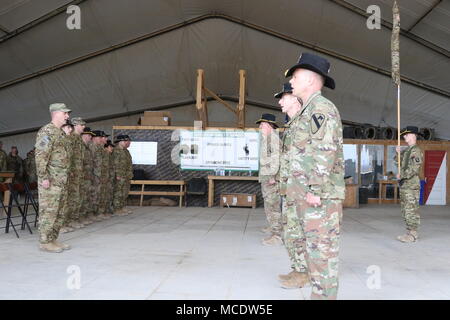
{"x": 9, "y": 178}
{"x": 143, "y": 193}
{"x": 382, "y": 191}
{"x": 233, "y": 178}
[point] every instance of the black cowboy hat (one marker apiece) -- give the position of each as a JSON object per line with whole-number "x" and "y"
{"x": 287, "y": 88}
{"x": 268, "y": 117}
{"x": 411, "y": 129}
{"x": 87, "y": 130}
{"x": 316, "y": 64}
{"x": 122, "y": 137}
{"x": 108, "y": 144}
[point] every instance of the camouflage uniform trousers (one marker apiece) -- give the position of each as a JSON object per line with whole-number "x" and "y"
{"x": 320, "y": 229}
{"x": 103, "y": 194}
{"x": 51, "y": 214}
{"x": 292, "y": 236}
{"x": 409, "y": 202}
{"x": 74, "y": 201}
{"x": 272, "y": 206}
{"x": 86, "y": 191}
{"x": 121, "y": 189}
{"x": 95, "y": 196}
{"x": 110, "y": 196}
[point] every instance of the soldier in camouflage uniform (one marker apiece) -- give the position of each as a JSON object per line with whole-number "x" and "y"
{"x": 124, "y": 173}
{"x": 292, "y": 236}
{"x": 411, "y": 160}
{"x": 52, "y": 163}
{"x": 103, "y": 205}
{"x": 15, "y": 163}
{"x": 269, "y": 162}
{"x": 87, "y": 181}
{"x": 3, "y": 160}
{"x": 76, "y": 178}
{"x": 67, "y": 128}
{"x": 317, "y": 171}
{"x": 100, "y": 167}
{"x": 109, "y": 147}
{"x": 30, "y": 166}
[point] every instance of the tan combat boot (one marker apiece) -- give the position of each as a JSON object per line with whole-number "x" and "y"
{"x": 50, "y": 247}
{"x": 266, "y": 230}
{"x": 121, "y": 212}
{"x": 273, "y": 240}
{"x": 410, "y": 236}
{"x": 61, "y": 245}
{"x": 128, "y": 210}
{"x": 297, "y": 280}
{"x": 287, "y": 276}
{"x": 66, "y": 229}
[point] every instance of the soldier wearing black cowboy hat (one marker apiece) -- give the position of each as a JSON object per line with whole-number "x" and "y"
{"x": 411, "y": 160}
{"x": 123, "y": 166}
{"x": 316, "y": 178}
{"x": 268, "y": 169}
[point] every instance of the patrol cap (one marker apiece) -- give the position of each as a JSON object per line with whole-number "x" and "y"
{"x": 59, "y": 107}
{"x": 411, "y": 129}
{"x": 87, "y": 130}
{"x": 313, "y": 63}
{"x": 78, "y": 121}
{"x": 122, "y": 137}
{"x": 269, "y": 118}
{"x": 287, "y": 88}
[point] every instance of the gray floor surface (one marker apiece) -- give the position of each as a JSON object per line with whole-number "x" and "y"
{"x": 213, "y": 253}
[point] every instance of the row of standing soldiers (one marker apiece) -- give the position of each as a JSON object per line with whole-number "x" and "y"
{"x": 82, "y": 177}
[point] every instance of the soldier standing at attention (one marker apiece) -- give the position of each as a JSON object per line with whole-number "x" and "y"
{"x": 103, "y": 203}
{"x": 318, "y": 166}
{"x": 98, "y": 168}
{"x": 293, "y": 239}
{"x": 411, "y": 160}
{"x": 52, "y": 163}
{"x": 124, "y": 172}
{"x": 87, "y": 181}
{"x": 269, "y": 162}
{"x": 109, "y": 147}
{"x": 67, "y": 209}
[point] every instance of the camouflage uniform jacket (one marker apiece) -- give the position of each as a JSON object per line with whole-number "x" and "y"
{"x": 411, "y": 160}
{"x": 88, "y": 165}
{"x": 52, "y": 155}
{"x": 97, "y": 156}
{"x": 269, "y": 157}
{"x": 77, "y": 153}
{"x": 312, "y": 152}
{"x": 15, "y": 163}
{"x": 123, "y": 163}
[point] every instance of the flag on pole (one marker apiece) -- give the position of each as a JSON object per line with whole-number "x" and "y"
{"x": 395, "y": 44}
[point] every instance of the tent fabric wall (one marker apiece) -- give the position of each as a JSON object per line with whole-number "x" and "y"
{"x": 162, "y": 70}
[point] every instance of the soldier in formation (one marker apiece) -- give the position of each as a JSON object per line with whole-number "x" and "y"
{"x": 411, "y": 160}
{"x": 268, "y": 169}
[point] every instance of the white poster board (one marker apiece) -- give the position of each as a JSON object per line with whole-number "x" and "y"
{"x": 144, "y": 152}
{"x": 211, "y": 149}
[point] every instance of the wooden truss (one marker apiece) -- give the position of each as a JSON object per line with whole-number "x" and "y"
{"x": 202, "y": 95}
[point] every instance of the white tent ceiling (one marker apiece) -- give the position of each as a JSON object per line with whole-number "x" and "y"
{"x": 135, "y": 54}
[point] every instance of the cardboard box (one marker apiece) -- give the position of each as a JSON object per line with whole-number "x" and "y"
{"x": 238, "y": 200}
{"x": 148, "y": 114}
{"x": 154, "y": 121}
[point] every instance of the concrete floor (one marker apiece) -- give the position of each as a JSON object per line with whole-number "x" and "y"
{"x": 201, "y": 253}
